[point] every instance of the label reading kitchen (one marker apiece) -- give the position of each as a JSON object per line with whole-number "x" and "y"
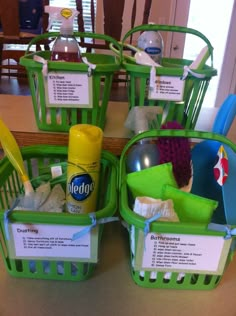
{"x": 66, "y": 89}
{"x": 170, "y": 252}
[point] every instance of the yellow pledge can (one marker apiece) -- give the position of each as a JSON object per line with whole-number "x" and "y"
{"x": 84, "y": 155}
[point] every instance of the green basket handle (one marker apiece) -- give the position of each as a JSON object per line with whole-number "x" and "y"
{"x": 120, "y": 53}
{"x": 166, "y": 28}
{"x": 52, "y": 35}
{"x": 173, "y": 133}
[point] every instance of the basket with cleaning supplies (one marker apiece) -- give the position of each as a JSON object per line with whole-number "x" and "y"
{"x": 69, "y": 93}
{"x": 46, "y": 244}
{"x": 180, "y": 222}
{"x": 177, "y": 85}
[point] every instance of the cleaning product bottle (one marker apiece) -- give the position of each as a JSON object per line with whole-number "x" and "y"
{"x": 144, "y": 153}
{"x": 84, "y": 152}
{"x": 66, "y": 47}
{"x": 152, "y": 43}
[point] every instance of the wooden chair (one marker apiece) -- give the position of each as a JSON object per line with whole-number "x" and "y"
{"x": 113, "y": 19}
{"x": 20, "y": 23}
{"x": 112, "y": 23}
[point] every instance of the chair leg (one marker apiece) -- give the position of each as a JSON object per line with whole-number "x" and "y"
{"x": 1, "y": 49}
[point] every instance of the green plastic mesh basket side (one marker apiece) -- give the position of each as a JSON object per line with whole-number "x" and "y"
{"x": 186, "y": 112}
{"x": 60, "y": 119}
{"x": 174, "y": 280}
{"x": 37, "y": 158}
{"x": 190, "y": 281}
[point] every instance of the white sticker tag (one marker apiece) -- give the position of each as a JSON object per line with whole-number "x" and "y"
{"x": 66, "y": 89}
{"x": 56, "y": 171}
{"x": 176, "y": 253}
{"x": 167, "y": 88}
{"x": 51, "y": 242}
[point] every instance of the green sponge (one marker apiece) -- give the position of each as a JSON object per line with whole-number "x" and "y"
{"x": 190, "y": 207}
{"x": 150, "y": 181}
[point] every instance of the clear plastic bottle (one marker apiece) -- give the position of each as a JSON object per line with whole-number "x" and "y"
{"x": 144, "y": 153}
{"x": 152, "y": 43}
{"x": 66, "y": 47}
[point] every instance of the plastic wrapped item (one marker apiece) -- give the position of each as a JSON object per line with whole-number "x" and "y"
{"x": 148, "y": 207}
{"x": 44, "y": 199}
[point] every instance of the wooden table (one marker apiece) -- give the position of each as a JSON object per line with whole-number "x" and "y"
{"x": 111, "y": 289}
{"x": 17, "y": 113}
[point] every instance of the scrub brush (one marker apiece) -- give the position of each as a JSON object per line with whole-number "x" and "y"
{"x": 177, "y": 151}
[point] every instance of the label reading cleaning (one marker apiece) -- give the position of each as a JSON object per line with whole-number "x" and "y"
{"x": 170, "y": 252}
{"x": 167, "y": 88}
{"x": 44, "y": 241}
{"x": 65, "y": 89}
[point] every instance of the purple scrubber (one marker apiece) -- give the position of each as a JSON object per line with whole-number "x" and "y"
{"x": 176, "y": 150}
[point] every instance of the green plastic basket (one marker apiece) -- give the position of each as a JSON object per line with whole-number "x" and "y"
{"x": 37, "y": 159}
{"x": 61, "y": 118}
{"x": 189, "y": 226}
{"x": 187, "y": 110}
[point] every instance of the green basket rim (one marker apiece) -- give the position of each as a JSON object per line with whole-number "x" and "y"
{"x": 62, "y": 218}
{"x": 28, "y": 61}
{"x": 52, "y": 35}
{"x": 138, "y": 221}
{"x": 132, "y": 68}
{"x": 166, "y": 28}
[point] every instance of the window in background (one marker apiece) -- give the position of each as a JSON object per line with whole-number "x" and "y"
{"x": 212, "y": 18}
{"x": 72, "y": 4}
{"x": 56, "y": 25}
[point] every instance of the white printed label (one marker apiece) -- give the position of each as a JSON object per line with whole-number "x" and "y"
{"x": 170, "y": 252}
{"x": 52, "y": 242}
{"x": 69, "y": 89}
{"x": 167, "y": 88}
{"x": 56, "y": 171}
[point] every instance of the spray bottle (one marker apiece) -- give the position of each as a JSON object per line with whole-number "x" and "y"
{"x": 143, "y": 154}
{"x": 66, "y": 47}
{"x": 84, "y": 151}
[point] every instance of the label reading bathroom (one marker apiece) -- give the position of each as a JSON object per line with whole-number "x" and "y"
{"x": 167, "y": 88}
{"x": 69, "y": 89}
{"x": 52, "y": 242}
{"x": 169, "y": 252}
